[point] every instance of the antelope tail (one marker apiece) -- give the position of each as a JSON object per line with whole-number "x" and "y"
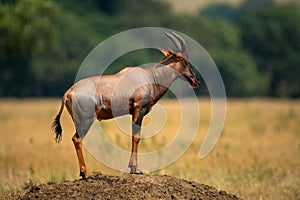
{"x": 56, "y": 126}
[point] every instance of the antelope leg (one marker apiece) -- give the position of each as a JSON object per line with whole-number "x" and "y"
{"x": 137, "y": 119}
{"x": 77, "y": 141}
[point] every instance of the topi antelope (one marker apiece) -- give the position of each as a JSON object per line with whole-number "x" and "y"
{"x": 133, "y": 90}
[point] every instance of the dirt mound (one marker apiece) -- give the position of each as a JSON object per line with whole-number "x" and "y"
{"x": 126, "y": 187}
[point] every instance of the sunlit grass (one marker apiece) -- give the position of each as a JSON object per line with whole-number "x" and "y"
{"x": 257, "y": 156}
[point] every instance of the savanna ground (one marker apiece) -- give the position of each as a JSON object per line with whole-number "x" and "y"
{"x": 256, "y": 157}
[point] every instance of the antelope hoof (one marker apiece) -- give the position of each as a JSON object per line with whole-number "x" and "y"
{"x": 134, "y": 170}
{"x": 84, "y": 176}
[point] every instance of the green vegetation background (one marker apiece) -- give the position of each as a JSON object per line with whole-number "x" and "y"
{"x": 256, "y": 45}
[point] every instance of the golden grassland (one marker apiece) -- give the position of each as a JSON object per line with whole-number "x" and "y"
{"x": 256, "y": 157}
{"x": 193, "y": 6}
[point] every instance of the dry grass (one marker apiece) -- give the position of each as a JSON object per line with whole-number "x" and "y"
{"x": 193, "y": 6}
{"x": 257, "y": 156}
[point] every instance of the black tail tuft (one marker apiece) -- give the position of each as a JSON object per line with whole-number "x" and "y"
{"x": 57, "y": 128}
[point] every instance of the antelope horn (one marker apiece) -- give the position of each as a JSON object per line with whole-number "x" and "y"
{"x": 174, "y": 40}
{"x": 182, "y": 43}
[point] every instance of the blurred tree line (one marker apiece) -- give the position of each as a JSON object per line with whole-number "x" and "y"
{"x": 256, "y": 46}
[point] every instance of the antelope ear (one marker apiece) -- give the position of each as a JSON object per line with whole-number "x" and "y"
{"x": 165, "y": 52}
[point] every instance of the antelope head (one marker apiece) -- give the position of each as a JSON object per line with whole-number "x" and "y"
{"x": 180, "y": 58}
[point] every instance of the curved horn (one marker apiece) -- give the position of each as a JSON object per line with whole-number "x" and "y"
{"x": 182, "y": 43}
{"x": 175, "y": 40}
